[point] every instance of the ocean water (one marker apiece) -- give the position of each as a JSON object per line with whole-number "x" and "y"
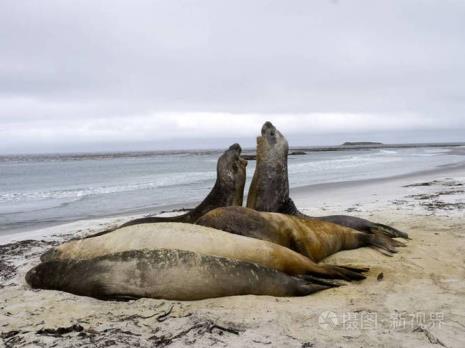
{"x": 36, "y": 191}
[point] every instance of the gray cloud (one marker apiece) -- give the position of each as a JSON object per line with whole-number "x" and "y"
{"x": 100, "y": 75}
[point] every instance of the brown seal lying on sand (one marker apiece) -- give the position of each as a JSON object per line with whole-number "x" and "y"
{"x": 227, "y": 191}
{"x": 168, "y": 274}
{"x": 201, "y": 240}
{"x": 313, "y": 238}
{"x": 269, "y": 190}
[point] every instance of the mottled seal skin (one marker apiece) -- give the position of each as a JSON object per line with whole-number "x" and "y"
{"x": 201, "y": 240}
{"x": 313, "y": 238}
{"x": 227, "y": 191}
{"x": 269, "y": 190}
{"x": 165, "y": 274}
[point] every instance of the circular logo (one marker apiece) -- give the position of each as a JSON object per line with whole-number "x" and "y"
{"x": 328, "y": 320}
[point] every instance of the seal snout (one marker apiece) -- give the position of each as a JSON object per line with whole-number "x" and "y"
{"x": 31, "y": 276}
{"x": 236, "y": 147}
{"x": 268, "y": 126}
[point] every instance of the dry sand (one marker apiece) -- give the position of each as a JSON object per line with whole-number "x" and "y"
{"x": 416, "y": 298}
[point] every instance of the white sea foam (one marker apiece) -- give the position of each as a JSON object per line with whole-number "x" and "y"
{"x": 176, "y": 179}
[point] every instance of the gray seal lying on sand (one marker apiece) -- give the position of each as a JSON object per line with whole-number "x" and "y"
{"x": 167, "y": 274}
{"x": 201, "y": 240}
{"x": 227, "y": 191}
{"x": 269, "y": 190}
{"x": 313, "y": 238}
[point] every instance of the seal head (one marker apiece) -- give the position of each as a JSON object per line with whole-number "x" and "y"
{"x": 231, "y": 175}
{"x": 270, "y": 182}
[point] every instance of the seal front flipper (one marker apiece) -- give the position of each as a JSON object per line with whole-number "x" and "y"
{"x": 146, "y": 220}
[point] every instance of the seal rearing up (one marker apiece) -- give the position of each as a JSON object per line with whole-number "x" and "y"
{"x": 227, "y": 191}
{"x": 269, "y": 190}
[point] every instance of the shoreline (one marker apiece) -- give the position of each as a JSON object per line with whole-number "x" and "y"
{"x": 296, "y": 192}
{"x": 414, "y": 298}
{"x": 448, "y": 169}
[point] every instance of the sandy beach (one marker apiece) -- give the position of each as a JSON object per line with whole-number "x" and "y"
{"x": 415, "y": 298}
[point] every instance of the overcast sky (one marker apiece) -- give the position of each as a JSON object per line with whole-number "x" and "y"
{"x": 128, "y": 75}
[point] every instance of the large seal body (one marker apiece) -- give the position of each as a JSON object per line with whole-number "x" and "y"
{"x": 269, "y": 190}
{"x": 201, "y": 240}
{"x": 313, "y": 238}
{"x": 167, "y": 274}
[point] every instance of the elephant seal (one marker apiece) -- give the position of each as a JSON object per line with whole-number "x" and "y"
{"x": 201, "y": 240}
{"x": 228, "y": 190}
{"x": 269, "y": 190}
{"x": 167, "y": 274}
{"x": 313, "y": 238}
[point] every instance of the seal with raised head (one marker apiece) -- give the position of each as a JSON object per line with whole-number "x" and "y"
{"x": 313, "y": 238}
{"x": 201, "y": 240}
{"x": 269, "y": 190}
{"x": 227, "y": 191}
{"x": 167, "y": 274}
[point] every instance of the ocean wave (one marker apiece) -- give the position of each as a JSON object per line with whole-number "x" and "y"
{"x": 73, "y": 194}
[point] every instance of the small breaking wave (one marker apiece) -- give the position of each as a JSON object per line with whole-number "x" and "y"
{"x": 177, "y": 179}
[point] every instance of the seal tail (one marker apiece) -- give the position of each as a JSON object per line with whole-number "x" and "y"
{"x": 388, "y": 231}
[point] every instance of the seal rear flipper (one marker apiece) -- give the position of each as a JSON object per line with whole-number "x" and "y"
{"x": 379, "y": 240}
{"x": 321, "y": 281}
{"x": 120, "y": 298}
{"x": 388, "y": 231}
{"x": 305, "y": 287}
{"x": 339, "y": 272}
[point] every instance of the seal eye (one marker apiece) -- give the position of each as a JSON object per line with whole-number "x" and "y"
{"x": 272, "y": 133}
{"x": 234, "y": 167}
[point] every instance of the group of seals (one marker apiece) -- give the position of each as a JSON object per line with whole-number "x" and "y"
{"x": 269, "y": 190}
{"x": 260, "y": 252}
{"x": 200, "y": 240}
{"x": 181, "y": 262}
